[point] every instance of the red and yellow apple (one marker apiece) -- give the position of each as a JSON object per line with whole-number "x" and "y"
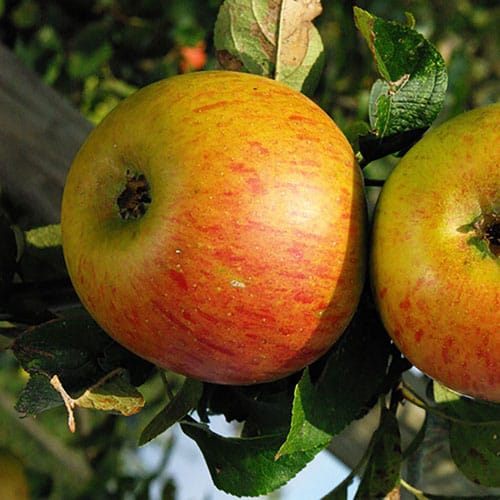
{"x": 213, "y": 223}
{"x": 435, "y": 260}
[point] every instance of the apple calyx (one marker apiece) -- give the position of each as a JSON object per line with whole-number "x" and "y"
{"x": 486, "y": 237}
{"x": 135, "y": 198}
{"x": 492, "y": 232}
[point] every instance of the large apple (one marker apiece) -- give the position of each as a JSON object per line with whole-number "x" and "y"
{"x": 435, "y": 260}
{"x": 214, "y": 224}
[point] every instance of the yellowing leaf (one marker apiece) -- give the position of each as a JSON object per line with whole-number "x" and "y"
{"x": 244, "y": 36}
{"x": 112, "y": 393}
{"x": 273, "y": 38}
{"x": 296, "y": 29}
{"x": 44, "y": 237}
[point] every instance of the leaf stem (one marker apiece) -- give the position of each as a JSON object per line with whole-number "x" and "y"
{"x": 410, "y": 395}
{"x": 419, "y": 494}
{"x": 69, "y": 402}
{"x": 164, "y": 379}
{"x": 277, "y": 66}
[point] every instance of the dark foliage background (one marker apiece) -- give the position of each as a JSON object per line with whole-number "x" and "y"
{"x": 97, "y": 52}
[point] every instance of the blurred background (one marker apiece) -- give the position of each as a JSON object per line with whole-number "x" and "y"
{"x": 96, "y": 52}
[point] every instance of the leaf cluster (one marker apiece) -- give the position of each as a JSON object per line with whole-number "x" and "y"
{"x": 98, "y": 52}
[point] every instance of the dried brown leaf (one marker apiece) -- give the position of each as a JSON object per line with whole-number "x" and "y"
{"x": 295, "y": 29}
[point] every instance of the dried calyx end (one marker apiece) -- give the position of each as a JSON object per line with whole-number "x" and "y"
{"x": 486, "y": 233}
{"x": 491, "y": 231}
{"x": 135, "y": 198}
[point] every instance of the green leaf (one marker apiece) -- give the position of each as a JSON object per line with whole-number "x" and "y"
{"x": 185, "y": 17}
{"x": 307, "y": 416}
{"x": 271, "y": 38}
{"x": 26, "y": 15}
{"x": 475, "y": 449}
{"x": 91, "y": 50}
{"x": 349, "y": 385}
{"x": 43, "y": 52}
{"x": 373, "y": 147}
{"x": 183, "y": 402}
{"x": 82, "y": 356}
{"x": 236, "y": 47}
{"x": 37, "y": 396}
{"x": 264, "y": 408}
{"x": 465, "y": 410}
{"x": 67, "y": 348}
{"x": 246, "y": 466}
{"x": 474, "y": 435}
{"x": 45, "y": 236}
{"x": 81, "y": 65}
{"x": 383, "y": 470}
{"x": 338, "y": 493}
{"x": 411, "y": 91}
{"x": 115, "y": 356}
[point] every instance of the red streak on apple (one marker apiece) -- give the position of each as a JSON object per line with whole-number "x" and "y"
{"x": 249, "y": 261}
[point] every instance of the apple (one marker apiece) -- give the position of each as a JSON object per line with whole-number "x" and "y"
{"x": 214, "y": 224}
{"x": 435, "y": 262}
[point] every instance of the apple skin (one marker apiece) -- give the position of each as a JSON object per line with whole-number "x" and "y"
{"x": 249, "y": 262}
{"x": 438, "y": 294}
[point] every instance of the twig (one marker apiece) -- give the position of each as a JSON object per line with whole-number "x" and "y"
{"x": 410, "y": 395}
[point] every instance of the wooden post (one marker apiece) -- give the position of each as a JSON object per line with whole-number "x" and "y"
{"x": 40, "y": 132}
